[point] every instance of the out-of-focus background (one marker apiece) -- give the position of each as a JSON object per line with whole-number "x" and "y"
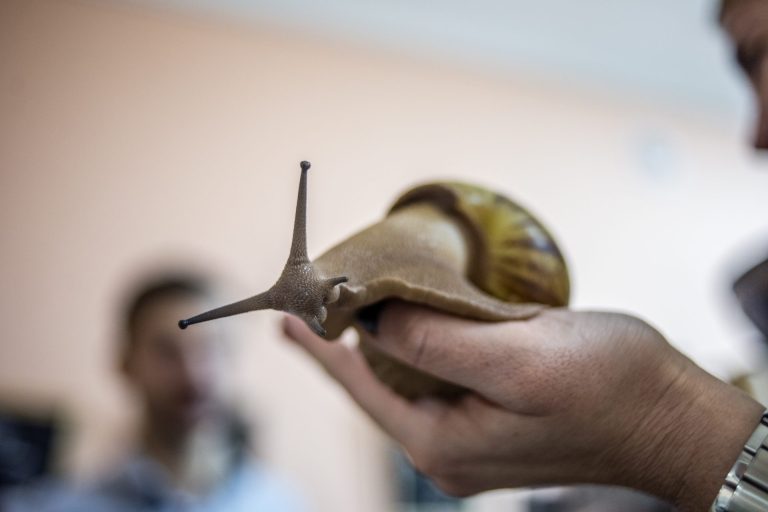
{"x": 137, "y": 133}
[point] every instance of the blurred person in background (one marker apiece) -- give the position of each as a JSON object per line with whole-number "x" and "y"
{"x": 193, "y": 452}
{"x": 571, "y": 397}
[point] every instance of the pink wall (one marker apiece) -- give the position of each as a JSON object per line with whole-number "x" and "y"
{"x": 128, "y": 136}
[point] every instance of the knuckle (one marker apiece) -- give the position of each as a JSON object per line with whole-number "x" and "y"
{"x": 416, "y": 336}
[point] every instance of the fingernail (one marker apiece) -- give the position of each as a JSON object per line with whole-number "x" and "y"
{"x": 368, "y": 318}
{"x": 285, "y": 324}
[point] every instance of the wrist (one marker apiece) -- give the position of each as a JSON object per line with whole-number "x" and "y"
{"x": 697, "y": 433}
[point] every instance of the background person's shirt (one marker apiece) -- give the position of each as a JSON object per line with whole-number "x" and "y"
{"x": 141, "y": 485}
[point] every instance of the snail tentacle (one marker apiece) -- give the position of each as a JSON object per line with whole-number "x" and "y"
{"x": 317, "y": 327}
{"x": 300, "y": 290}
{"x": 298, "y": 252}
{"x": 263, "y": 300}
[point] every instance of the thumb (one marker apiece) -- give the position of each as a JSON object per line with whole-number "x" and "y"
{"x": 458, "y": 350}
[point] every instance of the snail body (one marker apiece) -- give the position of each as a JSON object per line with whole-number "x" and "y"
{"x": 455, "y": 247}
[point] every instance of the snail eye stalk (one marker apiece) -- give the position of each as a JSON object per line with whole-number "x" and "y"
{"x": 299, "y": 290}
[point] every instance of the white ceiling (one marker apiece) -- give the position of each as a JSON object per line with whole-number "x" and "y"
{"x": 667, "y": 51}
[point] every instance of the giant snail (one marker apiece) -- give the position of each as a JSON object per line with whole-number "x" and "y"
{"x": 458, "y": 248}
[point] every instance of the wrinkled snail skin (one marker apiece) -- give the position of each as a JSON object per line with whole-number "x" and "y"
{"x": 455, "y": 247}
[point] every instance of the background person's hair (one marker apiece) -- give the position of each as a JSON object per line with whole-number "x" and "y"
{"x": 156, "y": 287}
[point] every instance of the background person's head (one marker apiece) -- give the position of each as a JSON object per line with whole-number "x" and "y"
{"x": 746, "y": 21}
{"x": 177, "y": 375}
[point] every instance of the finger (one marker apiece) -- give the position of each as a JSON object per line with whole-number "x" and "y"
{"x": 398, "y": 417}
{"x": 461, "y": 351}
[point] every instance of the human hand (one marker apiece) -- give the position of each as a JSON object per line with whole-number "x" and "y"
{"x": 565, "y": 397}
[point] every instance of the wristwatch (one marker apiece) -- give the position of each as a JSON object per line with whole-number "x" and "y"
{"x": 746, "y": 486}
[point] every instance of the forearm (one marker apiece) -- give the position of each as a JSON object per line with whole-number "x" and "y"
{"x": 705, "y": 426}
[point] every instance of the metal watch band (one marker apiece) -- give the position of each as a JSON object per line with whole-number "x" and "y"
{"x": 746, "y": 486}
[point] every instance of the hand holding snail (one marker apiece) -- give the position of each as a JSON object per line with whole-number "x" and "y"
{"x": 564, "y": 397}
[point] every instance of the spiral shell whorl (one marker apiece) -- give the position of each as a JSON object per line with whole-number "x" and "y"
{"x": 513, "y": 257}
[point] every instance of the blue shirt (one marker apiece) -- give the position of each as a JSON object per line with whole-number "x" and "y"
{"x": 140, "y": 485}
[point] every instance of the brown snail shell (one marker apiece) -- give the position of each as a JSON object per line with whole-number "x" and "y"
{"x": 455, "y": 247}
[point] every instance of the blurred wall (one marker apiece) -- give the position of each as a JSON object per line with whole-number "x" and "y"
{"x": 129, "y": 136}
